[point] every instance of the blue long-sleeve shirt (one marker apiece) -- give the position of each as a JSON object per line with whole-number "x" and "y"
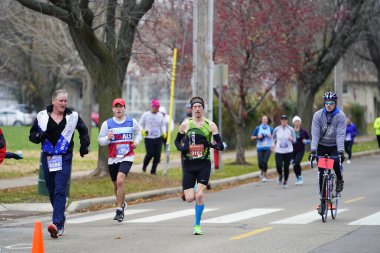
{"x": 351, "y": 132}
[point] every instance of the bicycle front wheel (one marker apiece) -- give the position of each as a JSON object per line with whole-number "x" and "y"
{"x": 324, "y": 200}
{"x": 334, "y": 198}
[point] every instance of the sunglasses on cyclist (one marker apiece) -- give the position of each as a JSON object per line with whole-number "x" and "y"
{"x": 329, "y": 103}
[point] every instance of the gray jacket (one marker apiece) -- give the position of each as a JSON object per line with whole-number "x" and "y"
{"x": 335, "y": 132}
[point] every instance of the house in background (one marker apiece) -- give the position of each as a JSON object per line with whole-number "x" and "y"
{"x": 360, "y": 84}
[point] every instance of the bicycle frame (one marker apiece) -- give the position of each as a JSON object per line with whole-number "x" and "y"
{"x": 328, "y": 198}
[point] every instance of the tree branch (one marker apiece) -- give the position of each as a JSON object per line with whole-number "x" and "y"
{"x": 48, "y": 9}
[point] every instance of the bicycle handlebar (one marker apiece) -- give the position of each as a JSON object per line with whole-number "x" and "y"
{"x": 327, "y": 156}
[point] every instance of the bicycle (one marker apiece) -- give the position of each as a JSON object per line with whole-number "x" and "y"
{"x": 329, "y": 196}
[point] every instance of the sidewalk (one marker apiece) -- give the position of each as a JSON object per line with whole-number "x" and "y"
{"x": 83, "y": 204}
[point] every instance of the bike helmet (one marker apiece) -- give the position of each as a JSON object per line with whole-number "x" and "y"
{"x": 330, "y": 96}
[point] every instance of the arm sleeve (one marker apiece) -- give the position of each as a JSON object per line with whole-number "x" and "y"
{"x": 34, "y": 134}
{"x": 103, "y": 135}
{"x": 315, "y": 132}
{"x": 83, "y": 133}
{"x": 219, "y": 144}
{"x": 341, "y": 132}
{"x": 178, "y": 141}
{"x": 255, "y": 132}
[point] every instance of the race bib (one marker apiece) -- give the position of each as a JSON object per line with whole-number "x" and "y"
{"x": 55, "y": 163}
{"x": 348, "y": 137}
{"x": 266, "y": 142}
{"x": 284, "y": 143}
{"x": 196, "y": 151}
{"x": 326, "y": 163}
{"x": 155, "y": 133}
{"x": 122, "y": 150}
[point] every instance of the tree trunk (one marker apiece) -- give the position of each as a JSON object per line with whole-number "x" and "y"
{"x": 87, "y": 91}
{"x": 305, "y": 102}
{"x": 109, "y": 88}
{"x": 240, "y": 148}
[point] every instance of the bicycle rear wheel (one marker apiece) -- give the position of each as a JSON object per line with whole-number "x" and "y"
{"x": 334, "y": 198}
{"x": 324, "y": 200}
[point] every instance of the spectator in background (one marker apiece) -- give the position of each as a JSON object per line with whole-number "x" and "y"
{"x": 302, "y": 138}
{"x": 351, "y": 132}
{"x": 376, "y": 125}
{"x": 263, "y": 135}
{"x": 162, "y": 110}
{"x": 188, "y": 112}
{"x": 283, "y": 139}
{"x": 154, "y": 131}
{"x": 54, "y": 129}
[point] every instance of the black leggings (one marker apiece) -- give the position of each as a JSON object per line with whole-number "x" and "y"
{"x": 263, "y": 157}
{"x": 283, "y": 160}
{"x": 331, "y": 151}
{"x": 153, "y": 150}
{"x": 297, "y": 156}
{"x": 348, "y": 148}
{"x": 378, "y": 140}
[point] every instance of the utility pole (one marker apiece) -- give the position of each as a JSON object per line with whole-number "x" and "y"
{"x": 200, "y": 59}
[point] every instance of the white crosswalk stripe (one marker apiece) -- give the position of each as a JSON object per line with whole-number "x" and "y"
{"x": 372, "y": 220}
{"x": 169, "y": 216}
{"x": 105, "y": 216}
{"x": 243, "y": 215}
{"x": 304, "y": 218}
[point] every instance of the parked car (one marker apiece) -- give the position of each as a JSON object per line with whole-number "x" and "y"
{"x": 15, "y": 117}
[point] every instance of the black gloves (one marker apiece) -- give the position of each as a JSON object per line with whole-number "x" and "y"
{"x": 341, "y": 154}
{"x": 185, "y": 147}
{"x": 83, "y": 150}
{"x": 41, "y": 136}
{"x": 312, "y": 156}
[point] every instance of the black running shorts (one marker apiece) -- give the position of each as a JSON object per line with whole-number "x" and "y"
{"x": 195, "y": 171}
{"x": 115, "y": 168}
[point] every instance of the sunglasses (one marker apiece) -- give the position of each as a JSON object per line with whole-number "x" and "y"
{"x": 330, "y": 103}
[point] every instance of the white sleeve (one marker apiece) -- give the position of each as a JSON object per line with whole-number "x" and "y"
{"x": 103, "y": 135}
{"x": 137, "y": 131}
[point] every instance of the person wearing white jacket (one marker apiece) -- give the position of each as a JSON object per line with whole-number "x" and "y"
{"x": 283, "y": 138}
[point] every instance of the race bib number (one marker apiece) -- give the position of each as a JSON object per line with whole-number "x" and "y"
{"x": 122, "y": 150}
{"x": 284, "y": 144}
{"x": 266, "y": 142}
{"x": 55, "y": 163}
{"x": 348, "y": 137}
{"x": 196, "y": 151}
{"x": 326, "y": 163}
{"x": 155, "y": 133}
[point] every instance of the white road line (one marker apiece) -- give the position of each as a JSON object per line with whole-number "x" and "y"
{"x": 169, "y": 216}
{"x": 305, "y": 218}
{"x": 244, "y": 215}
{"x": 373, "y": 219}
{"x": 105, "y": 216}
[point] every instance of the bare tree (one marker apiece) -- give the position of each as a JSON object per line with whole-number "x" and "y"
{"x": 103, "y": 40}
{"x": 345, "y": 25}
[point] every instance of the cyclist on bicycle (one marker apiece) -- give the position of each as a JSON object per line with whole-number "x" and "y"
{"x": 328, "y": 131}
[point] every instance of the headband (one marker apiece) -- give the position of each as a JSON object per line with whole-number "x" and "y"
{"x": 197, "y": 100}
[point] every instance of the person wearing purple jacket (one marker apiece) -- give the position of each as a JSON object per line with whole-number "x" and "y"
{"x": 302, "y": 138}
{"x": 351, "y": 132}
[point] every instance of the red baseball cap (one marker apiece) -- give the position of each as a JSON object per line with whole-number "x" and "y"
{"x": 118, "y": 101}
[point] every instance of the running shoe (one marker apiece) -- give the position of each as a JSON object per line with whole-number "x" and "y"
{"x": 339, "y": 185}
{"x": 52, "y": 228}
{"x": 264, "y": 179}
{"x": 285, "y": 185}
{"x": 61, "y": 228}
{"x": 280, "y": 180}
{"x": 198, "y": 230}
{"x": 119, "y": 215}
{"x": 300, "y": 180}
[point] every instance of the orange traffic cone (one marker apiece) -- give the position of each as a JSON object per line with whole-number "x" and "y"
{"x": 38, "y": 239}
